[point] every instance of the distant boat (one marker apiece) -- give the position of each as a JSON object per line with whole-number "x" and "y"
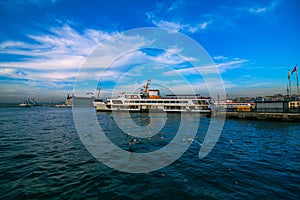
{"x": 60, "y": 106}
{"x": 25, "y": 104}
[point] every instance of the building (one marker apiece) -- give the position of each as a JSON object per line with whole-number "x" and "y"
{"x": 272, "y": 106}
{"x": 79, "y": 101}
{"x": 82, "y": 101}
{"x": 69, "y": 101}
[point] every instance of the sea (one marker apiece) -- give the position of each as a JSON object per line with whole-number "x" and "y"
{"x": 42, "y": 156}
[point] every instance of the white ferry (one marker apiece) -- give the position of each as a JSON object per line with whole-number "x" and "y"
{"x": 151, "y": 100}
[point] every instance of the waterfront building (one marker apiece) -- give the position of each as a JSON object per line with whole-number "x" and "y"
{"x": 69, "y": 101}
{"x": 272, "y": 106}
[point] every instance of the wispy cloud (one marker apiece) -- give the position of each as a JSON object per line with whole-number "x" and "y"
{"x": 175, "y": 5}
{"x": 138, "y": 57}
{"x": 177, "y": 26}
{"x": 209, "y": 69}
{"x": 220, "y": 58}
{"x": 59, "y": 54}
{"x": 61, "y": 48}
{"x": 172, "y": 17}
{"x": 259, "y": 9}
{"x": 52, "y": 59}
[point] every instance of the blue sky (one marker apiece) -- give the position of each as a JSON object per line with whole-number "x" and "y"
{"x": 43, "y": 44}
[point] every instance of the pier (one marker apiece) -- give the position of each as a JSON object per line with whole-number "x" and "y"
{"x": 291, "y": 117}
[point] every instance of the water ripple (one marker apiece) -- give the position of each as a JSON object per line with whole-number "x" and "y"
{"x": 42, "y": 157}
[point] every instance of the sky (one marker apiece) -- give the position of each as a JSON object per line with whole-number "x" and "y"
{"x": 44, "y": 45}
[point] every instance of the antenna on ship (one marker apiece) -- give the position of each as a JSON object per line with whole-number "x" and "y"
{"x": 98, "y": 89}
{"x": 218, "y": 102}
{"x": 146, "y": 86}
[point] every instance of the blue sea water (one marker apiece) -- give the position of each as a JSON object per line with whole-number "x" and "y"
{"x": 41, "y": 156}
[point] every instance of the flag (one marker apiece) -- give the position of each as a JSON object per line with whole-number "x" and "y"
{"x": 294, "y": 70}
{"x": 289, "y": 75}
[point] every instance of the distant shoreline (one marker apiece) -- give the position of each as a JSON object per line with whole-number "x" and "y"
{"x": 16, "y": 105}
{"x": 9, "y": 105}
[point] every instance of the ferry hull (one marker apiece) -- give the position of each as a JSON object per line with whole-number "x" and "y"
{"x": 104, "y": 107}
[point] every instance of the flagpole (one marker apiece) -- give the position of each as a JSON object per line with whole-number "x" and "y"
{"x": 289, "y": 77}
{"x": 297, "y": 79}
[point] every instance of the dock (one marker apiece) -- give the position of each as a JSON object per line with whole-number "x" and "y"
{"x": 289, "y": 117}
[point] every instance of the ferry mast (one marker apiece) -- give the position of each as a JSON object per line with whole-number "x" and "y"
{"x": 146, "y": 86}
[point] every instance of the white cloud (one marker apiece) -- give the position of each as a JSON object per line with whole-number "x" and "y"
{"x": 176, "y": 26}
{"x": 257, "y": 10}
{"x": 175, "y": 5}
{"x": 169, "y": 25}
{"x": 67, "y": 41}
{"x": 171, "y": 56}
{"x": 220, "y": 58}
{"x": 209, "y": 69}
{"x": 51, "y": 60}
{"x": 204, "y": 24}
{"x": 62, "y": 48}
{"x": 263, "y": 9}
{"x": 14, "y": 44}
{"x": 57, "y": 55}
{"x": 7, "y": 71}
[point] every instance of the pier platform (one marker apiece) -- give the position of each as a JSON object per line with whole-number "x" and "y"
{"x": 295, "y": 117}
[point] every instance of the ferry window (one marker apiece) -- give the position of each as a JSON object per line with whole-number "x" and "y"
{"x": 117, "y": 102}
{"x": 154, "y": 101}
{"x": 167, "y": 101}
{"x": 136, "y": 101}
{"x": 205, "y": 103}
{"x": 185, "y": 101}
{"x": 148, "y": 101}
{"x": 172, "y": 101}
{"x": 195, "y": 101}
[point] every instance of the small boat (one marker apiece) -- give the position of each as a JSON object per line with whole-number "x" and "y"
{"x": 60, "y": 106}
{"x": 25, "y": 104}
{"x": 150, "y": 99}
